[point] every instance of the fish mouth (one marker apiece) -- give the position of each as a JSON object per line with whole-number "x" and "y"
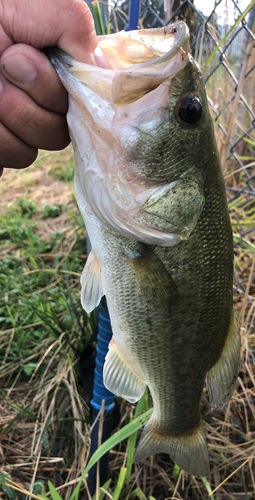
{"x": 144, "y": 60}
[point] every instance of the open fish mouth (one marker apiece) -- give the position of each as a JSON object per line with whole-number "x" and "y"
{"x": 110, "y": 107}
{"x": 131, "y": 64}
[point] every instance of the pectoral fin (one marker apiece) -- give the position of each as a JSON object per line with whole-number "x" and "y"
{"x": 222, "y": 377}
{"x": 91, "y": 282}
{"x": 153, "y": 279}
{"x": 119, "y": 378}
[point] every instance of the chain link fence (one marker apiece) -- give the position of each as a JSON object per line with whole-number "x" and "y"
{"x": 222, "y": 42}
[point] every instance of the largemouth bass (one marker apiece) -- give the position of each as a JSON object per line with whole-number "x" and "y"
{"x": 149, "y": 185}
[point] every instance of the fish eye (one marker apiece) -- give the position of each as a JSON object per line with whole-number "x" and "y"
{"x": 190, "y": 110}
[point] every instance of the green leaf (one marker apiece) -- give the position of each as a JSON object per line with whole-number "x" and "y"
{"x": 43, "y": 494}
{"x": 137, "y": 492}
{"x": 54, "y": 494}
{"x": 176, "y": 472}
{"x": 101, "y": 492}
{"x": 208, "y": 487}
{"x": 120, "y": 483}
{"x": 54, "y": 211}
{"x": 194, "y": 490}
{"x": 10, "y": 492}
{"x": 119, "y": 436}
{"x": 108, "y": 31}
{"x": 98, "y": 17}
{"x": 244, "y": 243}
{"x": 132, "y": 438}
{"x": 252, "y": 158}
{"x": 29, "y": 368}
{"x": 240, "y": 18}
{"x": 39, "y": 487}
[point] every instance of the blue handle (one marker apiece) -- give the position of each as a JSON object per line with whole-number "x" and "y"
{"x": 103, "y": 338}
{"x": 134, "y": 14}
{"x": 99, "y": 393}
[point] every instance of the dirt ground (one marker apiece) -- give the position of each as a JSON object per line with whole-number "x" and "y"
{"x": 36, "y": 181}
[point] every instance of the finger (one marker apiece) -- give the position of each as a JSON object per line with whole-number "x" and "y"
{"x": 11, "y": 148}
{"x": 30, "y": 70}
{"x": 34, "y": 125}
{"x": 68, "y": 24}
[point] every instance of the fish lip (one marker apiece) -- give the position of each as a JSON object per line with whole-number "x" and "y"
{"x": 182, "y": 38}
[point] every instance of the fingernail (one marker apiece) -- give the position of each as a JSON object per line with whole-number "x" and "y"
{"x": 19, "y": 69}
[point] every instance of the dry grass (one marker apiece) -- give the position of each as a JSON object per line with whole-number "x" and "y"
{"x": 38, "y": 183}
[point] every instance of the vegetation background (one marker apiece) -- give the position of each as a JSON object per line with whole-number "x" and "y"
{"x": 45, "y": 423}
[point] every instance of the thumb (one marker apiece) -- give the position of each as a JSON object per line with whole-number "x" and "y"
{"x": 68, "y": 24}
{"x": 78, "y": 38}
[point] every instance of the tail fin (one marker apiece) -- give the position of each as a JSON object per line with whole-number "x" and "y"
{"x": 189, "y": 452}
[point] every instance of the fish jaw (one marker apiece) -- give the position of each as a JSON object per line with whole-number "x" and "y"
{"x": 109, "y": 111}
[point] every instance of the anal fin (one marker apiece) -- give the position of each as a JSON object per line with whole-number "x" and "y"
{"x": 91, "y": 282}
{"x": 222, "y": 377}
{"x": 190, "y": 452}
{"x": 119, "y": 377}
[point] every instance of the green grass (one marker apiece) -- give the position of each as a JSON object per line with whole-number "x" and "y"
{"x": 36, "y": 276}
{"x": 43, "y": 329}
{"x": 63, "y": 171}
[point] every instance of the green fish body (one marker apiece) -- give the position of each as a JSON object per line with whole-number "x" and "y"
{"x": 150, "y": 188}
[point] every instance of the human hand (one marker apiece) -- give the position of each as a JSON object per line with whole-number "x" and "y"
{"x": 33, "y": 102}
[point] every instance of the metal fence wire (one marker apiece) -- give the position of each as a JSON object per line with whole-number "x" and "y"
{"x": 222, "y": 42}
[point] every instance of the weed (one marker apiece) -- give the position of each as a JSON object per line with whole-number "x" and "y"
{"x": 63, "y": 171}
{"x": 54, "y": 211}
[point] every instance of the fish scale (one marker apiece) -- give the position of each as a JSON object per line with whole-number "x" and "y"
{"x": 152, "y": 195}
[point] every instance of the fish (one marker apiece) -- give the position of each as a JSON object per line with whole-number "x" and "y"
{"x": 149, "y": 185}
